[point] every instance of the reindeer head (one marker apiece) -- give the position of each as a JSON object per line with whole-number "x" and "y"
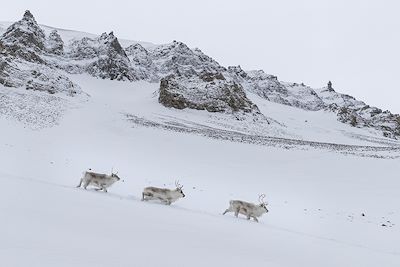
{"x": 263, "y": 204}
{"x": 115, "y": 176}
{"x": 179, "y": 188}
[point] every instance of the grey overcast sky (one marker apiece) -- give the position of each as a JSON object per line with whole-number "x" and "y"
{"x": 354, "y": 43}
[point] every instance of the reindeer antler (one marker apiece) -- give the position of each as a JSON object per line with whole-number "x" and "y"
{"x": 178, "y": 185}
{"x": 261, "y": 199}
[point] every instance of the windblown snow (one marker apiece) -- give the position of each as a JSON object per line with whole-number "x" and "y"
{"x": 331, "y": 188}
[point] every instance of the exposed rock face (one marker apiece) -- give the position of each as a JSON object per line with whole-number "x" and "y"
{"x": 196, "y": 81}
{"x": 209, "y": 91}
{"x": 54, "y": 43}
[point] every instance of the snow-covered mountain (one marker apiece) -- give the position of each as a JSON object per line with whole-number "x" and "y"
{"x": 70, "y": 101}
{"x": 188, "y": 78}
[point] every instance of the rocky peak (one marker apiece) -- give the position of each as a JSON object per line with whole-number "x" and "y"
{"x": 104, "y": 45}
{"x": 28, "y": 16}
{"x": 24, "y": 33}
{"x": 112, "y": 44}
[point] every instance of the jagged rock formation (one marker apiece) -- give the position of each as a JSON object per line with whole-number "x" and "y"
{"x": 24, "y": 39}
{"x": 208, "y": 91}
{"x": 196, "y": 81}
{"x": 188, "y": 78}
{"x": 108, "y": 59}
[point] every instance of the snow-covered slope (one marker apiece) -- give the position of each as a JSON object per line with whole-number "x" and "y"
{"x": 95, "y": 103}
{"x": 316, "y": 196}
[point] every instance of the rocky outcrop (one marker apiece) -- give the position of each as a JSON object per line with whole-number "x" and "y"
{"x": 208, "y": 91}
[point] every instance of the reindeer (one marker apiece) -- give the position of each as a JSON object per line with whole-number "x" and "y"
{"x": 248, "y": 209}
{"x": 165, "y": 195}
{"x": 99, "y": 180}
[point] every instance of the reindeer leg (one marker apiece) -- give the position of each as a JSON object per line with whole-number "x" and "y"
{"x": 248, "y": 217}
{"x": 255, "y": 219}
{"x": 105, "y": 189}
{"x": 227, "y": 210}
{"x": 237, "y": 212}
{"x": 80, "y": 183}
{"x": 85, "y": 186}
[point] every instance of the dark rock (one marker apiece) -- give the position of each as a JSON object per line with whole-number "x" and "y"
{"x": 330, "y": 88}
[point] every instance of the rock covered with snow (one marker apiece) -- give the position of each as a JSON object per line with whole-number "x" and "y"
{"x": 24, "y": 39}
{"x": 358, "y": 114}
{"x": 142, "y": 62}
{"x": 106, "y": 57}
{"x": 207, "y": 91}
{"x": 22, "y": 60}
{"x": 267, "y": 86}
{"x": 194, "y": 80}
{"x": 178, "y": 58}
